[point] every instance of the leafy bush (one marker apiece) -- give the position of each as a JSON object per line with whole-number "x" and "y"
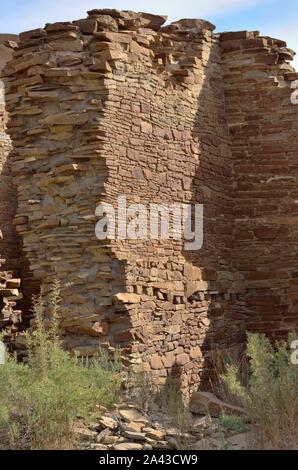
{"x": 234, "y": 423}
{"x": 40, "y": 400}
{"x": 270, "y": 395}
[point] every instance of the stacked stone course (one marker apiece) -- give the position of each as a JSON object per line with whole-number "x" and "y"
{"x": 118, "y": 104}
{"x": 263, "y": 129}
{"x": 10, "y": 315}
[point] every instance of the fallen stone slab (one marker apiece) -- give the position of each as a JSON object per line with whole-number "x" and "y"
{"x": 131, "y": 414}
{"x": 128, "y": 446}
{"x": 134, "y": 436}
{"x": 107, "y": 422}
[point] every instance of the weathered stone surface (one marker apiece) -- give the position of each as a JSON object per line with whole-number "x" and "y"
{"x": 194, "y": 24}
{"x": 131, "y": 414}
{"x": 85, "y": 434}
{"x": 202, "y": 433}
{"x": 182, "y": 359}
{"x": 156, "y": 21}
{"x": 116, "y": 104}
{"x": 133, "y": 435}
{"x": 192, "y": 273}
{"x": 154, "y": 434}
{"x": 127, "y": 298}
{"x": 128, "y": 446}
{"x": 169, "y": 359}
{"x": 87, "y": 26}
{"x": 134, "y": 426}
{"x": 98, "y": 447}
{"x": 5, "y": 52}
{"x": 10, "y": 315}
{"x": 106, "y": 422}
{"x": 156, "y": 362}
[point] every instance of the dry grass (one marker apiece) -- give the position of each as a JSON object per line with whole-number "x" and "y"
{"x": 172, "y": 404}
{"x": 269, "y": 394}
{"x": 40, "y": 400}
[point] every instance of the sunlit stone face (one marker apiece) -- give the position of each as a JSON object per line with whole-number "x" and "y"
{"x": 1, "y": 92}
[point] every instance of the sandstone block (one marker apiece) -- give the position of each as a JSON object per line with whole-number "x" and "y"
{"x": 192, "y": 273}
{"x": 107, "y": 422}
{"x": 87, "y": 26}
{"x": 169, "y": 360}
{"x": 196, "y": 286}
{"x": 182, "y": 359}
{"x": 156, "y": 362}
{"x": 128, "y": 446}
{"x": 132, "y": 414}
{"x": 146, "y": 127}
{"x": 127, "y": 298}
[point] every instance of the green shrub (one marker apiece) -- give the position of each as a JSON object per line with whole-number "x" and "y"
{"x": 234, "y": 423}
{"x": 40, "y": 400}
{"x": 270, "y": 395}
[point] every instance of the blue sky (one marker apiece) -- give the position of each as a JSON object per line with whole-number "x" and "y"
{"x": 271, "y": 17}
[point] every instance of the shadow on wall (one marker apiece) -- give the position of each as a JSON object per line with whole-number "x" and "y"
{"x": 209, "y": 323}
{"x": 221, "y": 321}
{"x": 10, "y": 269}
{"x": 10, "y": 244}
{"x": 9, "y": 240}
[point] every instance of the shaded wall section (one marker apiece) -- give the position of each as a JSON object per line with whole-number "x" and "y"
{"x": 9, "y": 240}
{"x": 263, "y": 128}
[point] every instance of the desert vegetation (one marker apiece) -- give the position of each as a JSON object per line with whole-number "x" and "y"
{"x": 41, "y": 399}
{"x": 268, "y": 391}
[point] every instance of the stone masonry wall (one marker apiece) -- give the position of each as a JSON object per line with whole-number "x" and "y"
{"x": 9, "y": 243}
{"x": 263, "y": 127}
{"x": 117, "y": 104}
{"x": 166, "y": 139}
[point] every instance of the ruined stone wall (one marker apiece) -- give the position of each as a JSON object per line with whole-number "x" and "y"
{"x": 9, "y": 242}
{"x": 166, "y": 139}
{"x": 9, "y": 249}
{"x": 263, "y": 125}
{"x": 117, "y": 104}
